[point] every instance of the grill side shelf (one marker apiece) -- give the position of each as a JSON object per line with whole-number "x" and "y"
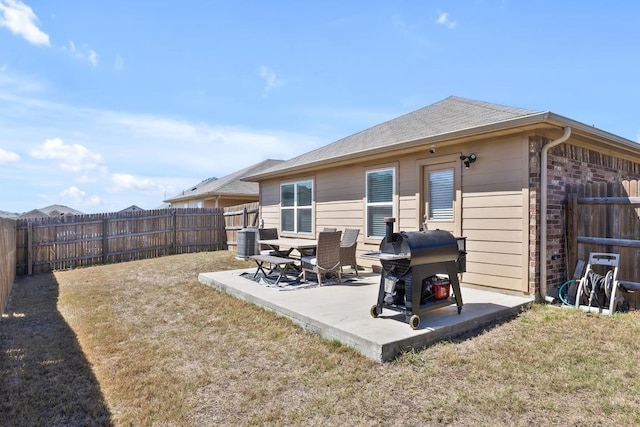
{"x": 383, "y": 256}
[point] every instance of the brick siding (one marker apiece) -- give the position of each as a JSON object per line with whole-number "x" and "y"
{"x": 568, "y": 164}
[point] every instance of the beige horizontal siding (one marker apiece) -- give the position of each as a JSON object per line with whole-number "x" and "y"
{"x": 494, "y": 217}
{"x": 499, "y": 224}
{"x": 492, "y": 281}
{"x": 339, "y": 196}
{"x": 491, "y": 199}
{"x": 495, "y": 270}
{"x": 505, "y": 212}
{"x": 494, "y": 235}
{"x": 494, "y": 258}
{"x": 506, "y": 248}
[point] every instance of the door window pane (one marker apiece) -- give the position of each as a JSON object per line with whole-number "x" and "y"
{"x": 441, "y": 195}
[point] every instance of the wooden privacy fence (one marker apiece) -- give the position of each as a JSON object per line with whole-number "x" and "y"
{"x": 81, "y": 240}
{"x": 238, "y": 217}
{"x": 605, "y": 217}
{"x": 7, "y": 259}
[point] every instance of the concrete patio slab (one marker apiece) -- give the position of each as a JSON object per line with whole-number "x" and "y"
{"x": 342, "y": 312}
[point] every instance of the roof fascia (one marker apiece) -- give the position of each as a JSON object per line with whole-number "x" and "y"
{"x": 595, "y": 134}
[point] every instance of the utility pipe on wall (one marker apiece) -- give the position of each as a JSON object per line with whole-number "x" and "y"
{"x": 543, "y": 212}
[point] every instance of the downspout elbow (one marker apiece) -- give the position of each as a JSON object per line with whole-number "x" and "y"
{"x": 543, "y": 211}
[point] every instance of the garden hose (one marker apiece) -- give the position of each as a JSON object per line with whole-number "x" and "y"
{"x": 563, "y": 286}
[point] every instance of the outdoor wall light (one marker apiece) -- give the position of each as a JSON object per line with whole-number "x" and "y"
{"x": 467, "y": 160}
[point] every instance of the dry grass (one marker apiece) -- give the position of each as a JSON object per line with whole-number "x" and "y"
{"x": 143, "y": 343}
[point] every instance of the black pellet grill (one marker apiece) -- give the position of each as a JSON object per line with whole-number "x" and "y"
{"x": 413, "y": 264}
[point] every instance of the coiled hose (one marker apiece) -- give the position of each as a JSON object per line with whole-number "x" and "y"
{"x": 595, "y": 285}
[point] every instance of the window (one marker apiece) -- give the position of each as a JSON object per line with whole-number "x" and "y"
{"x": 441, "y": 194}
{"x": 380, "y": 189}
{"x": 295, "y": 207}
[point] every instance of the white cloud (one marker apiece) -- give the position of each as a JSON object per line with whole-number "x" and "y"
{"x": 78, "y": 196}
{"x": 8, "y": 156}
{"x": 73, "y": 158}
{"x": 83, "y": 52}
{"x": 443, "y": 19}
{"x": 93, "y": 57}
{"x": 270, "y": 79}
{"x": 20, "y": 20}
{"x": 160, "y": 128}
{"x": 74, "y": 193}
{"x": 128, "y": 182}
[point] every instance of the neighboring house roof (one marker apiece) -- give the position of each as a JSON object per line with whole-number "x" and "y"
{"x": 447, "y": 119}
{"x": 230, "y": 185}
{"x": 60, "y": 210}
{"x": 10, "y": 215}
{"x": 132, "y": 208}
{"x": 34, "y": 213}
{"x": 53, "y": 210}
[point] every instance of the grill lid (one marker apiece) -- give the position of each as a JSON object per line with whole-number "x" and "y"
{"x": 421, "y": 247}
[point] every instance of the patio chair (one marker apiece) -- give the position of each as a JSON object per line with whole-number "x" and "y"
{"x": 348, "y": 249}
{"x": 268, "y": 234}
{"x": 329, "y": 229}
{"x": 327, "y": 257}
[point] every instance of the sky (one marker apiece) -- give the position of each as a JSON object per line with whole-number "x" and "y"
{"x": 104, "y": 105}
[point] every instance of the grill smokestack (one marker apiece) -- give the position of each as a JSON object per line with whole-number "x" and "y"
{"x": 389, "y": 223}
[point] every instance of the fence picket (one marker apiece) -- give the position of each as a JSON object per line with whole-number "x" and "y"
{"x": 80, "y": 240}
{"x": 606, "y": 218}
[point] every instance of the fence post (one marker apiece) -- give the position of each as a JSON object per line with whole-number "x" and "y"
{"x": 174, "y": 231}
{"x": 572, "y": 231}
{"x": 29, "y": 248}
{"x": 105, "y": 241}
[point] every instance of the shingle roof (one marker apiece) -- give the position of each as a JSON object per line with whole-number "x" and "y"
{"x": 231, "y": 184}
{"x": 448, "y": 115}
{"x": 52, "y": 210}
{"x": 60, "y": 210}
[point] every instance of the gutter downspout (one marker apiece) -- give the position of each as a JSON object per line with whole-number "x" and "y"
{"x": 543, "y": 212}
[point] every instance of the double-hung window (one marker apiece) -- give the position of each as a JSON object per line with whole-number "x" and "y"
{"x": 380, "y": 192}
{"x": 296, "y": 199}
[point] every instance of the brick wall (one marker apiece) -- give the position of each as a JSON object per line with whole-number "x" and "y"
{"x": 568, "y": 164}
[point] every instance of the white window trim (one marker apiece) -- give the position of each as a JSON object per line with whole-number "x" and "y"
{"x": 367, "y": 204}
{"x": 441, "y": 162}
{"x": 295, "y": 206}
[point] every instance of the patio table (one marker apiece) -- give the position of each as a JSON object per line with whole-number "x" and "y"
{"x": 303, "y": 246}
